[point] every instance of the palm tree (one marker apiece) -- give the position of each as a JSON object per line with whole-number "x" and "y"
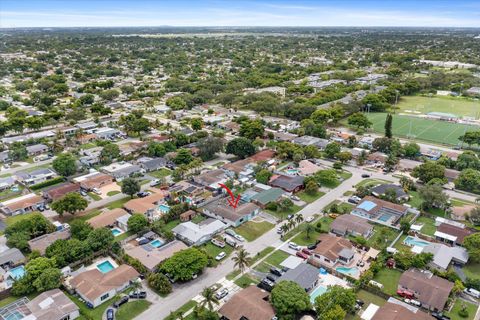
{"x": 209, "y": 298}
{"x": 299, "y": 218}
{"x": 285, "y": 228}
{"x": 242, "y": 259}
{"x": 135, "y": 286}
{"x": 292, "y": 224}
{"x": 308, "y": 230}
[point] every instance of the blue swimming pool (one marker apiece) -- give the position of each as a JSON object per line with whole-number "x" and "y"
{"x": 292, "y": 171}
{"x": 348, "y": 271}
{"x": 164, "y": 208}
{"x": 18, "y": 272}
{"x": 116, "y": 232}
{"x": 105, "y": 267}
{"x": 317, "y": 292}
{"x": 412, "y": 241}
{"x": 156, "y": 243}
{"x": 384, "y": 217}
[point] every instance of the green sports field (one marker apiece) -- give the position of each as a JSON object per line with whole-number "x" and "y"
{"x": 436, "y": 131}
{"x": 423, "y": 105}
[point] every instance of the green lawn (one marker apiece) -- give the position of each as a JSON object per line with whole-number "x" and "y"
{"x": 283, "y": 214}
{"x": 172, "y": 224}
{"x": 389, "y": 278}
{"x": 435, "y": 131}
{"x": 343, "y": 207}
{"x": 118, "y": 203}
{"x": 424, "y": 105}
{"x": 368, "y": 298}
{"x": 161, "y": 173}
{"x": 11, "y": 299}
{"x": 302, "y": 239}
{"x": 262, "y": 254}
{"x": 251, "y": 230}
{"x": 382, "y": 237}
{"x": 212, "y": 251}
{"x": 244, "y": 281}
{"x": 371, "y": 182}
{"x": 131, "y": 309}
{"x": 122, "y": 236}
{"x": 112, "y": 193}
{"x": 88, "y": 313}
{"x": 87, "y": 216}
{"x": 276, "y": 258}
{"x": 94, "y": 196}
{"x": 399, "y": 244}
{"x": 263, "y": 267}
{"x": 12, "y": 219}
{"x": 308, "y": 198}
{"x": 187, "y": 306}
{"x": 415, "y": 200}
{"x": 471, "y": 308}
{"x": 472, "y": 270}
{"x": 428, "y": 225}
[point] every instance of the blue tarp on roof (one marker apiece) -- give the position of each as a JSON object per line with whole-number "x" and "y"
{"x": 367, "y": 205}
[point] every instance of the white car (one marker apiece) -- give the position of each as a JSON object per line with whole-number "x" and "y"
{"x": 279, "y": 230}
{"x": 309, "y": 219}
{"x": 294, "y": 246}
{"x": 97, "y": 191}
{"x": 155, "y": 182}
{"x": 220, "y": 256}
{"x": 472, "y": 292}
{"x": 239, "y": 237}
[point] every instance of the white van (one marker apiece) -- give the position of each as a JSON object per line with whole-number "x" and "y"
{"x": 472, "y": 292}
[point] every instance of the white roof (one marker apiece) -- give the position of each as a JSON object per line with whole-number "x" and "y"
{"x": 291, "y": 262}
{"x": 440, "y": 220}
{"x": 416, "y": 227}
{"x": 194, "y": 232}
{"x": 369, "y": 312}
{"x": 417, "y": 249}
{"x": 445, "y": 236}
{"x": 18, "y": 199}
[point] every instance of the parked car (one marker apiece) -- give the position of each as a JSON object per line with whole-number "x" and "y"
{"x": 272, "y": 277}
{"x": 110, "y": 314}
{"x": 302, "y": 255}
{"x": 276, "y": 271}
{"x": 220, "y": 256}
{"x": 312, "y": 246}
{"x": 221, "y": 294}
{"x": 230, "y": 241}
{"x": 96, "y": 191}
{"x": 354, "y": 199}
{"x": 122, "y": 300}
{"x": 83, "y": 193}
{"x": 306, "y": 251}
{"x": 230, "y": 232}
{"x": 309, "y": 219}
{"x": 405, "y": 293}
{"x": 155, "y": 182}
{"x": 143, "y": 194}
{"x": 472, "y": 292}
{"x": 279, "y": 230}
{"x": 290, "y": 217}
{"x": 365, "y": 175}
{"x": 294, "y": 246}
{"x": 295, "y": 198}
{"x": 218, "y": 243}
{"x": 239, "y": 237}
{"x": 138, "y": 295}
{"x": 266, "y": 284}
{"x": 439, "y": 316}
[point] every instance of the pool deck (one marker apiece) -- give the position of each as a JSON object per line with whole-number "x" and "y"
{"x": 100, "y": 260}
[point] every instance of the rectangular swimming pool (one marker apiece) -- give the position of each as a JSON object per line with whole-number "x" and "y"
{"x": 164, "y": 208}
{"x": 353, "y": 271}
{"x": 156, "y": 243}
{"x": 105, "y": 267}
{"x": 317, "y": 292}
{"x": 413, "y": 241}
{"x": 18, "y": 272}
{"x": 384, "y": 217}
{"x": 116, "y": 232}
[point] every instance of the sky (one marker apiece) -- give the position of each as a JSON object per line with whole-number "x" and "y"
{"x": 116, "y": 13}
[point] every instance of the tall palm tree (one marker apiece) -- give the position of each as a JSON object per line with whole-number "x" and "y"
{"x": 292, "y": 224}
{"x": 284, "y": 228}
{"x": 242, "y": 259}
{"x": 209, "y": 298}
{"x": 308, "y": 230}
{"x": 299, "y": 218}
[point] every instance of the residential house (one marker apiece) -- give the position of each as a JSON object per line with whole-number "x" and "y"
{"x": 265, "y": 197}
{"x": 307, "y": 168}
{"x": 110, "y": 218}
{"x": 87, "y": 126}
{"x": 41, "y": 243}
{"x": 451, "y": 234}
{"x": 148, "y": 206}
{"x": 56, "y": 192}
{"x": 52, "y": 305}
{"x": 282, "y": 136}
{"x": 408, "y": 165}
{"x": 5, "y": 156}
{"x": 150, "y": 256}
{"x": 35, "y": 176}
{"x": 366, "y": 142}
{"x": 331, "y": 250}
{"x": 107, "y": 133}
{"x": 6, "y": 183}
{"x": 347, "y": 224}
{"x": 23, "y": 204}
{"x": 380, "y": 211}
{"x": 430, "y": 290}
{"x": 431, "y": 154}
{"x": 94, "y": 180}
{"x": 211, "y": 179}
{"x": 11, "y": 258}
{"x": 36, "y": 149}
{"x": 96, "y": 287}
{"x": 243, "y": 169}
{"x": 188, "y": 215}
{"x": 444, "y": 256}
{"x": 377, "y": 158}
{"x": 152, "y": 164}
{"x": 197, "y": 234}
{"x": 399, "y": 311}
{"x": 251, "y": 303}
{"x": 305, "y": 275}
{"x": 220, "y": 209}
{"x": 380, "y": 191}
{"x": 291, "y": 184}
{"x": 306, "y": 140}
{"x": 122, "y": 170}
{"x": 451, "y": 174}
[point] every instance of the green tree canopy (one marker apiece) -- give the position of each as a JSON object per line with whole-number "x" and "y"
{"x": 289, "y": 299}
{"x": 184, "y": 264}
{"x": 70, "y": 203}
{"x": 65, "y": 164}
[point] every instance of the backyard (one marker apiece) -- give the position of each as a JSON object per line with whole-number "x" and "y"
{"x": 382, "y": 237}
{"x": 389, "y": 278}
{"x": 459, "y": 304}
{"x": 309, "y": 198}
{"x": 472, "y": 270}
{"x": 161, "y": 173}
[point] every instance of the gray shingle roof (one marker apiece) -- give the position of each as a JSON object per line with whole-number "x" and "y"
{"x": 304, "y": 275}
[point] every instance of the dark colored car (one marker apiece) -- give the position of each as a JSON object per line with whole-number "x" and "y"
{"x": 276, "y": 272}
{"x": 266, "y": 284}
{"x": 122, "y": 300}
{"x": 272, "y": 277}
{"x": 110, "y": 314}
{"x": 312, "y": 246}
{"x": 439, "y": 316}
{"x": 301, "y": 255}
{"x": 138, "y": 295}
{"x": 306, "y": 251}
{"x": 142, "y": 194}
{"x": 365, "y": 175}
